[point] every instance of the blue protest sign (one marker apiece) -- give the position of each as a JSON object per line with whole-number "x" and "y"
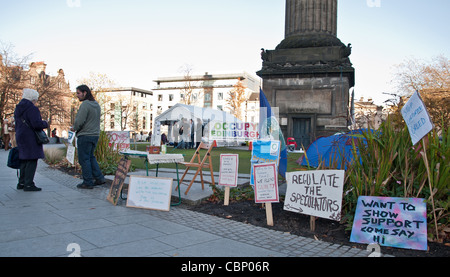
{"x": 264, "y": 151}
{"x": 391, "y": 221}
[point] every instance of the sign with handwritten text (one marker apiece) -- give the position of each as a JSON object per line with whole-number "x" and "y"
{"x": 417, "y": 118}
{"x": 149, "y": 193}
{"x": 266, "y": 183}
{"x": 391, "y": 221}
{"x": 228, "y": 174}
{"x": 120, "y": 140}
{"x": 264, "y": 151}
{"x": 316, "y": 193}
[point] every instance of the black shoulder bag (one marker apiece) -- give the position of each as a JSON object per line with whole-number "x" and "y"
{"x": 41, "y": 136}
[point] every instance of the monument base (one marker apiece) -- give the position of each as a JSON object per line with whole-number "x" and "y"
{"x": 310, "y": 87}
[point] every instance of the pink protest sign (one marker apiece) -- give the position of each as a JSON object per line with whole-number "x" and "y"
{"x": 266, "y": 183}
{"x": 391, "y": 221}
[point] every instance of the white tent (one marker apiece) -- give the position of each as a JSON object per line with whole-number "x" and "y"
{"x": 208, "y": 116}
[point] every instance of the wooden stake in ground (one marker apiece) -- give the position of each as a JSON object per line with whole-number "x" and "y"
{"x": 425, "y": 159}
{"x": 226, "y": 201}
{"x": 269, "y": 214}
{"x": 312, "y": 223}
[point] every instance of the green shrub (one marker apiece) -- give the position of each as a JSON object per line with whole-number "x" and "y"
{"x": 107, "y": 157}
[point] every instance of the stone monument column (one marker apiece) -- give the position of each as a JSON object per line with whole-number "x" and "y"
{"x": 309, "y": 74}
{"x": 311, "y": 16}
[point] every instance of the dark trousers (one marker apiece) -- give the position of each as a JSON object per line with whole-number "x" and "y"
{"x": 27, "y": 171}
{"x": 87, "y": 160}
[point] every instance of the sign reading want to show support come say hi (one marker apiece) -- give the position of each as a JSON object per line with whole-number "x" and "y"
{"x": 391, "y": 221}
{"x": 417, "y": 118}
{"x": 316, "y": 193}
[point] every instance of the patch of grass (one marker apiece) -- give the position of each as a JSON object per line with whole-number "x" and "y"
{"x": 54, "y": 155}
{"x": 244, "y": 158}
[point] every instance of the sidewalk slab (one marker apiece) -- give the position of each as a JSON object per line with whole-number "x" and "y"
{"x": 47, "y": 223}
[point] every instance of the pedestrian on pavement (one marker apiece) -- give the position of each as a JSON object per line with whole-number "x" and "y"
{"x": 6, "y": 136}
{"x": 191, "y": 142}
{"x": 87, "y": 128}
{"x": 186, "y": 134}
{"x": 198, "y": 132}
{"x": 29, "y": 150}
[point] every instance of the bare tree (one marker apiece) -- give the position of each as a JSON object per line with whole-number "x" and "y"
{"x": 237, "y": 97}
{"x": 13, "y": 70}
{"x": 432, "y": 81}
{"x": 54, "y": 98}
{"x": 189, "y": 86}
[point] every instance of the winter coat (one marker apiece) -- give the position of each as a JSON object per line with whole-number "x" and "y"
{"x": 29, "y": 149}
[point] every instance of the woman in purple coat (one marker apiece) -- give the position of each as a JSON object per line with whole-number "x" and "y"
{"x": 29, "y": 150}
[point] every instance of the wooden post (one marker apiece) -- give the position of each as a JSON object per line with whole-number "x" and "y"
{"x": 425, "y": 159}
{"x": 269, "y": 214}
{"x": 227, "y": 196}
{"x": 312, "y": 223}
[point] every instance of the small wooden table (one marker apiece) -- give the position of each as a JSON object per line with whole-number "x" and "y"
{"x": 157, "y": 159}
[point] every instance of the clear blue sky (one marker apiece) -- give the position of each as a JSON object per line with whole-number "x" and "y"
{"x": 136, "y": 41}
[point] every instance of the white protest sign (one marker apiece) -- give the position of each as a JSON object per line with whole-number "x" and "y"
{"x": 417, "y": 118}
{"x": 228, "y": 174}
{"x": 316, "y": 193}
{"x": 266, "y": 183}
{"x": 149, "y": 192}
{"x": 70, "y": 136}
{"x": 70, "y": 156}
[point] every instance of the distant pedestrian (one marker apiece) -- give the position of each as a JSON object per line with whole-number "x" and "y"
{"x": 191, "y": 142}
{"x": 12, "y": 131}
{"x": 54, "y": 135}
{"x": 29, "y": 150}
{"x": 87, "y": 128}
{"x": 6, "y": 136}
{"x": 198, "y": 132}
{"x": 186, "y": 134}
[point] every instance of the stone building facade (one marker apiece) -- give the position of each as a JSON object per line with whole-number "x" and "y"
{"x": 55, "y": 97}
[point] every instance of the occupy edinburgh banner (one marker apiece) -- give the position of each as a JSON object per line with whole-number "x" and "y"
{"x": 234, "y": 130}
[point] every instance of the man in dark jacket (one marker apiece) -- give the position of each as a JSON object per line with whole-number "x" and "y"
{"x": 29, "y": 150}
{"x": 87, "y": 128}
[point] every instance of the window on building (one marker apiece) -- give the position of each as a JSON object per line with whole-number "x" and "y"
{"x": 220, "y": 96}
{"x": 112, "y": 121}
{"x": 160, "y": 97}
{"x": 207, "y": 97}
{"x": 171, "y": 97}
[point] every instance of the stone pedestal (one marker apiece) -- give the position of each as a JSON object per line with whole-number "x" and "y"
{"x": 309, "y": 75}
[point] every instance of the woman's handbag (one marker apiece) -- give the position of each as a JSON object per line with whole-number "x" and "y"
{"x": 13, "y": 158}
{"x": 41, "y": 136}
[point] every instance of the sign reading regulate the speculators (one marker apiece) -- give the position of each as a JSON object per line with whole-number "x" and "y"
{"x": 316, "y": 193}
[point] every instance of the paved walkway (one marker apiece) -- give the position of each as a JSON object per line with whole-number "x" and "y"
{"x": 62, "y": 220}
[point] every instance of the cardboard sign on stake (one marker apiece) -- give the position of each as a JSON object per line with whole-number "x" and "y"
{"x": 266, "y": 187}
{"x": 228, "y": 173}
